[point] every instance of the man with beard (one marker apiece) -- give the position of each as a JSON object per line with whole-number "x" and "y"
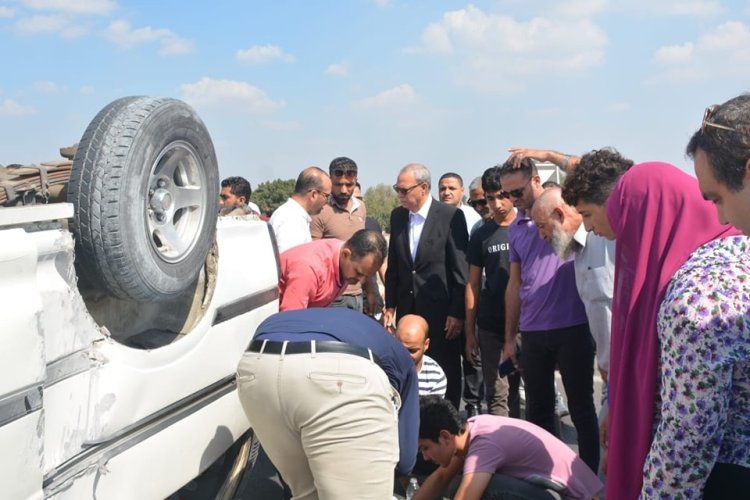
{"x": 340, "y": 218}
{"x": 543, "y": 305}
{"x": 562, "y": 226}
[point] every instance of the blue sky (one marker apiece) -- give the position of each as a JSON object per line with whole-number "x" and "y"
{"x": 286, "y": 84}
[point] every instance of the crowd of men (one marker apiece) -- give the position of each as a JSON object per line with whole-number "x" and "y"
{"x": 515, "y": 271}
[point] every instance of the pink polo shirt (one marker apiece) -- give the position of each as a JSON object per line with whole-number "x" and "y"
{"x": 310, "y": 275}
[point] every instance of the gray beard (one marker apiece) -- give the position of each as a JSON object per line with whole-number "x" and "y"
{"x": 563, "y": 243}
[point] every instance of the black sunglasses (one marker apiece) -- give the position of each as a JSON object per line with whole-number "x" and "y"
{"x": 478, "y": 202}
{"x": 405, "y": 191}
{"x": 516, "y": 193}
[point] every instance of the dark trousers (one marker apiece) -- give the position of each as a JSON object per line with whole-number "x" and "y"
{"x": 473, "y": 380}
{"x": 447, "y": 353}
{"x": 501, "y": 392}
{"x": 727, "y": 481}
{"x": 572, "y": 350}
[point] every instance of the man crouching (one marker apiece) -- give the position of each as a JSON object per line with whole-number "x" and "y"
{"x": 500, "y": 458}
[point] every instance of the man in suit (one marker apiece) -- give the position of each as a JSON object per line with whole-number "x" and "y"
{"x": 427, "y": 269}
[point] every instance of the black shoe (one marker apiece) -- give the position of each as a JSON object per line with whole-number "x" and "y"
{"x": 471, "y": 411}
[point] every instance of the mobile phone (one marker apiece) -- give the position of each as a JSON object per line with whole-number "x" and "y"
{"x": 506, "y": 367}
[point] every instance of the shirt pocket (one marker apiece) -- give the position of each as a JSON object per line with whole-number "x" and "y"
{"x": 597, "y": 285}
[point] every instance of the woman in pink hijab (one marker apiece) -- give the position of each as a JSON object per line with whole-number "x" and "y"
{"x": 657, "y": 215}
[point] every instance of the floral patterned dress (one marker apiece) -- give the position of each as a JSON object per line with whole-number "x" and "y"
{"x": 704, "y": 335}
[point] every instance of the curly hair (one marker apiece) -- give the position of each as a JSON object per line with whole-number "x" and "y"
{"x": 727, "y": 150}
{"x": 595, "y": 176}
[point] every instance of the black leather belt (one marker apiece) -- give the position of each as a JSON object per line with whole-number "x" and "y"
{"x": 306, "y": 347}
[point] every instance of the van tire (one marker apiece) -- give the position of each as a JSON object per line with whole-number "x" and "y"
{"x": 145, "y": 189}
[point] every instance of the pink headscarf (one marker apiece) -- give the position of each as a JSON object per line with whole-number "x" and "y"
{"x": 659, "y": 218}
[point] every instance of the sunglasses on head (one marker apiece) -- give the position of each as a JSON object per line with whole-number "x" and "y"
{"x": 477, "y": 203}
{"x": 340, "y": 172}
{"x": 708, "y": 123}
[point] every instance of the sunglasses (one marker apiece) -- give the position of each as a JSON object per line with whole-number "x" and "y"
{"x": 708, "y": 123}
{"x": 340, "y": 172}
{"x": 477, "y": 203}
{"x": 516, "y": 193}
{"x": 405, "y": 191}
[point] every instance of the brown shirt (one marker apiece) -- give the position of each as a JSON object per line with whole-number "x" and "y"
{"x": 336, "y": 222}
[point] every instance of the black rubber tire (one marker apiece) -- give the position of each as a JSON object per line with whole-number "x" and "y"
{"x": 145, "y": 189}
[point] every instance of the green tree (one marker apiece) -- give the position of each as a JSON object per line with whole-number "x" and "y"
{"x": 270, "y": 194}
{"x": 380, "y": 200}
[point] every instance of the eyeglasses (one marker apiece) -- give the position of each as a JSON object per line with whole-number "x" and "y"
{"x": 405, "y": 191}
{"x": 708, "y": 123}
{"x": 516, "y": 193}
{"x": 478, "y": 202}
{"x": 327, "y": 196}
{"x": 340, "y": 172}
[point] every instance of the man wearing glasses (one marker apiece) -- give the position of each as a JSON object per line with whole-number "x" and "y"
{"x": 340, "y": 218}
{"x": 427, "y": 269}
{"x": 542, "y": 303}
{"x": 291, "y": 221}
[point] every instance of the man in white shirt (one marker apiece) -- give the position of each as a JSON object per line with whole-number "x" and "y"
{"x": 412, "y": 332}
{"x": 291, "y": 221}
{"x": 451, "y": 191}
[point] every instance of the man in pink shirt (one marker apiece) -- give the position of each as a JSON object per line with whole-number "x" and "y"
{"x": 314, "y": 274}
{"x": 498, "y": 456}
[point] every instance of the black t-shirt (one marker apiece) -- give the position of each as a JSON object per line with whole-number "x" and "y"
{"x": 489, "y": 249}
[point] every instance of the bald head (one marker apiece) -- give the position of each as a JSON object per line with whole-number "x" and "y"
{"x": 412, "y": 331}
{"x": 556, "y": 221}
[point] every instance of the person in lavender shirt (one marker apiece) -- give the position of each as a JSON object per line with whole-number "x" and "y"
{"x": 542, "y": 303}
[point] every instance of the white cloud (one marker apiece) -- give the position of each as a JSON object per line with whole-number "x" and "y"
{"x": 580, "y": 8}
{"x": 46, "y": 87}
{"x": 697, "y": 8}
{"x": 393, "y": 98}
{"x": 62, "y": 24}
{"x": 259, "y": 54}
{"x": 230, "y": 94}
{"x": 73, "y": 6}
{"x": 281, "y": 126}
{"x": 9, "y": 107}
{"x": 6, "y": 12}
{"x": 86, "y": 90}
{"x": 120, "y": 33}
{"x": 618, "y": 107}
{"x": 338, "y": 69}
{"x": 495, "y": 53}
{"x": 707, "y": 56}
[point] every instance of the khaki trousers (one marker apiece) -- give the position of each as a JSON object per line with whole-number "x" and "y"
{"x": 328, "y": 422}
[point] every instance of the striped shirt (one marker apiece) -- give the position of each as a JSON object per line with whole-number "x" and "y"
{"x": 432, "y": 381}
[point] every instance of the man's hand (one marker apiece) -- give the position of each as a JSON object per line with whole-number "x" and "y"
{"x": 519, "y": 154}
{"x": 374, "y": 304}
{"x": 471, "y": 349}
{"x": 510, "y": 350}
{"x": 388, "y": 320}
{"x": 453, "y": 327}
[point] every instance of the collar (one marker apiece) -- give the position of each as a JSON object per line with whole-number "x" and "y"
{"x": 425, "y": 209}
{"x": 302, "y": 210}
{"x": 581, "y": 235}
{"x": 355, "y": 204}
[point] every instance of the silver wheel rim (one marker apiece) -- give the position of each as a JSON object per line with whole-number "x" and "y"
{"x": 175, "y": 202}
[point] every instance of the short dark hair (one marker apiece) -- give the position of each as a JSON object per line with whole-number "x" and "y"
{"x": 239, "y": 186}
{"x": 527, "y": 167}
{"x": 366, "y": 242}
{"x": 550, "y": 184}
{"x": 491, "y": 179}
{"x": 727, "y": 150}
{"x": 438, "y": 414}
{"x": 452, "y": 175}
{"x": 595, "y": 176}
{"x": 309, "y": 179}
{"x": 343, "y": 163}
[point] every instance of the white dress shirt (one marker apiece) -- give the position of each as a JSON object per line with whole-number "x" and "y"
{"x": 291, "y": 225}
{"x": 416, "y": 224}
{"x": 595, "y": 272}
